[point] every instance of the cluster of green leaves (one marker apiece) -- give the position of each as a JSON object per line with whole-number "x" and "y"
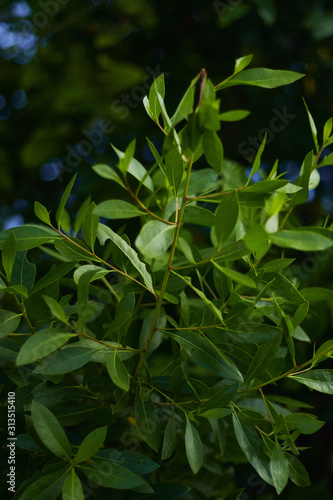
{"x": 141, "y": 364}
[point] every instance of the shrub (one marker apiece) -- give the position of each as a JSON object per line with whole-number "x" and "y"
{"x": 151, "y": 362}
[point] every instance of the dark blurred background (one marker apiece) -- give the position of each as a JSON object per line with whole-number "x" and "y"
{"x": 73, "y": 75}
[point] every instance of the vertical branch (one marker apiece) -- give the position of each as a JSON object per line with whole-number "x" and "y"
{"x": 167, "y": 272}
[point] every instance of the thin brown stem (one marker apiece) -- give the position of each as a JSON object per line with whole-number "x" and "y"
{"x": 146, "y": 209}
{"x": 96, "y": 257}
{"x": 105, "y": 344}
{"x": 292, "y": 372}
{"x": 166, "y": 274}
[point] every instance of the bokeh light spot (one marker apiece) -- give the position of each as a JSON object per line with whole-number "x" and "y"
{"x": 51, "y": 169}
{"x": 18, "y": 99}
{"x": 14, "y": 221}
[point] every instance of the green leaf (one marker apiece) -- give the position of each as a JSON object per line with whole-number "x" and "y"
{"x": 203, "y": 297}
{"x": 226, "y": 216}
{"x": 312, "y": 126}
{"x": 263, "y": 358}
{"x": 94, "y": 272}
{"x": 174, "y": 168}
{"x": 29, "y": 236}
{"x": 327, "y": 130}
{"x": 73, "y": 250}
{"x": 67, "y": 359}
{"x": 80, "y": 215}
{"x": 198, "y": 215}
{"x": 118, "y": 373}
{"x": 104, "y": 233}
{"x": 135, "y": 462}
{"x": 297, "y": 472}
{"x": 276, "y": 265}
{"x": 117, "y": 209}
{"x": 178, "y": 380}
{"x": 314, "y": 180}
{"x": 56, "y": 309}
{"x": 203, "y": 353}
{"x": 247, "y": 332}
{"x": 64, "y": 199}
{"x": 209, "y": 116}
{"x": 240, "y": 278}
{"x": 303, "y": 181}
{"x": 132, "y": 166}
{"x": 108, "y": 173}
{"x": 304, "y": 422}
{"x": 157, "y": 87}
{"x": 220, "y": 398}
{"x": 170, "y": 438}
{"x": 52, "y": 276}
{"x": 9, "y": 321}
{"x": 306, "y": 240}
{"x": 8, "y": 254}
{"x": 91, "y": 444}
{"x": 185, "y": 107}
{"x": 324, "y": 347}
{"x": 257, "y": 160}
{"x": 242, "y": 62}
{"x": 232, "y": 252}
{"x": 216, "y": 413}
{"x": 261, "y": 77}
{"x": 256, "y": 240}
{"x": 213, "y": 149}
{"x": 41, "y": 344}
{"x": 155, "y": 238}
{"x": 184, "y": 246}
{"x": 16, "y": 290}
{"x": 147, "y": 422}
{"x": 65, "y": 221}
{"x": 279, "y": 468}
{"x": 50, "y": 431}
{"x": 111, "y": 475}
{"x": 126, "y": 157}
{"x": 319, "y": 380}
{"x": 156, "y": 155}
{"x": 328, "y": 160}
{"x": 47, "y": 487}
{"x": 42, "y": 213}
{"x": 250, "y": 443}
{"x": 295, "y": 403}
{"x": 166, "y": 119}
{"x": 72, "y": 487}
{"x": 191, "y": 138}
{"x": 288, "y": 331}
{"x": 316, "y": 293}
{"x": 23, "y": 272}
{"x": 90, "y": 226}
{"x": 193, "y": 446}
{"x": 234, "y": 116}
{"x": 280, "y": 286}
{"x": 202, "y": 181}
{"x": 140, "y": 173}
{"x": 267, "y": 186}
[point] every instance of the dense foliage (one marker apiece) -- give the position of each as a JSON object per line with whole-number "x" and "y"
{"x": 149, "y": 366}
